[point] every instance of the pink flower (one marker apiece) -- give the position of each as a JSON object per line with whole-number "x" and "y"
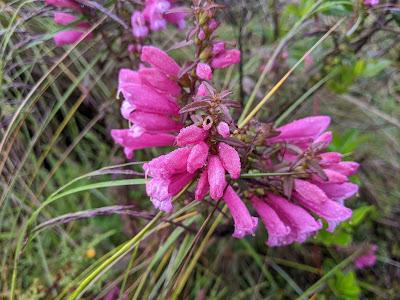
{"x": 302, "y": 131}
{"x": 64, "y": 4}
{"x": 177, "y": 18}
{"x": 197, "y": 157}
{"x": 278, "y": 231}
{"x": 70, "y": 36}
{"x": 371, "y": 2}
{"x": 245, "y": 224}
{"x": 150, "y": 102}
{"x": 230, "y": 159}
{"x": 368, "y": 259}
{"x": 139, "y": 28}
{"x": 203, "y": 71}
{"x": 67, "y": 37}
{"x": 159, "y": 81}
{"x": 216, "y": 177}
{"x": 203, "y": 187}
{"x": 301, "y": 224}
{"x": 314, "y": 199}
{"x": 169, "y": 177}
{"x": 226, "y": 58}
{"x": 223, "y": 129}
{"x": 160, "y": 60}
{"x": 131, "y": 142}
{"x": 191, "y": 135}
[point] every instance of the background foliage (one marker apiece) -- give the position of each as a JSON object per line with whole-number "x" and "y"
{"x": 71, "y": 207}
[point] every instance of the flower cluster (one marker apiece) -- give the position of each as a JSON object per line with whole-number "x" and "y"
{"x": 153, "y": 17}
{"x": 69, "y": 36}
{"x": 317, "y": 182}
{"x": 291, "y": 181}
{"x": 150, "y": 103}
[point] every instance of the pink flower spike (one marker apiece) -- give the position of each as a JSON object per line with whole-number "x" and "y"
{"x": 64, "y": 4}
{"x": 226, "y": 59}
{"x": 197, "y": 157}
{"x": 138, "y": 23}
{"x": 216, "y": 177}
{"x": 278, "y": 232}
{"x": 303, "y": 130}
{"x": 159, "y": 81}
{"x": 161, "y": 60}
{"x": 245, "y": 224}
{"x": 230, "y": 159}
{"x": 191, "y": 135}
{"x": 202, "y": 186}
{"x": 203, "y": 71}
{"x": 223, "y": 129}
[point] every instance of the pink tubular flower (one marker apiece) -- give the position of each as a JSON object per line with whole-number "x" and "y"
{"x": 278, "y": 232}
{"x": 230, "y": 159}
{"x": 70, "y": 36}
{"x": 191, "y": 135}
{"x": 301, "y": 223}
{"x": 139, "y": 28}
{"x": 203, "y": 71}
{"x": 245, "y": 224}
{"x": 130, "y": 142}
{"x": 368, "y": 259}
{"x": 197, "y": 157}
{"x": 301, "y": 131}
{"x": 226, "y": 58}
{"x": 223, "y": 129}
{"x": 203, "y": 187}
{"x": 160, "y": 60}
{"x": 216, "y": 177}
{"x": 150, "y": 102}
{"x": 169, "y": 176}
{"x": 321, "y": 192}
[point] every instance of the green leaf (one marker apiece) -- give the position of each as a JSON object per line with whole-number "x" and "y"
{"x": 374, "y": 67}
{"x": 359, "y": 214}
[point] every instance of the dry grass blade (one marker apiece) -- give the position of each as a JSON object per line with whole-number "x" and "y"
{"x": 286, "y": 76}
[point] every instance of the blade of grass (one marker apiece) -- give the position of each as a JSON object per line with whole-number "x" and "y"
{"x": 286, "y": 76}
